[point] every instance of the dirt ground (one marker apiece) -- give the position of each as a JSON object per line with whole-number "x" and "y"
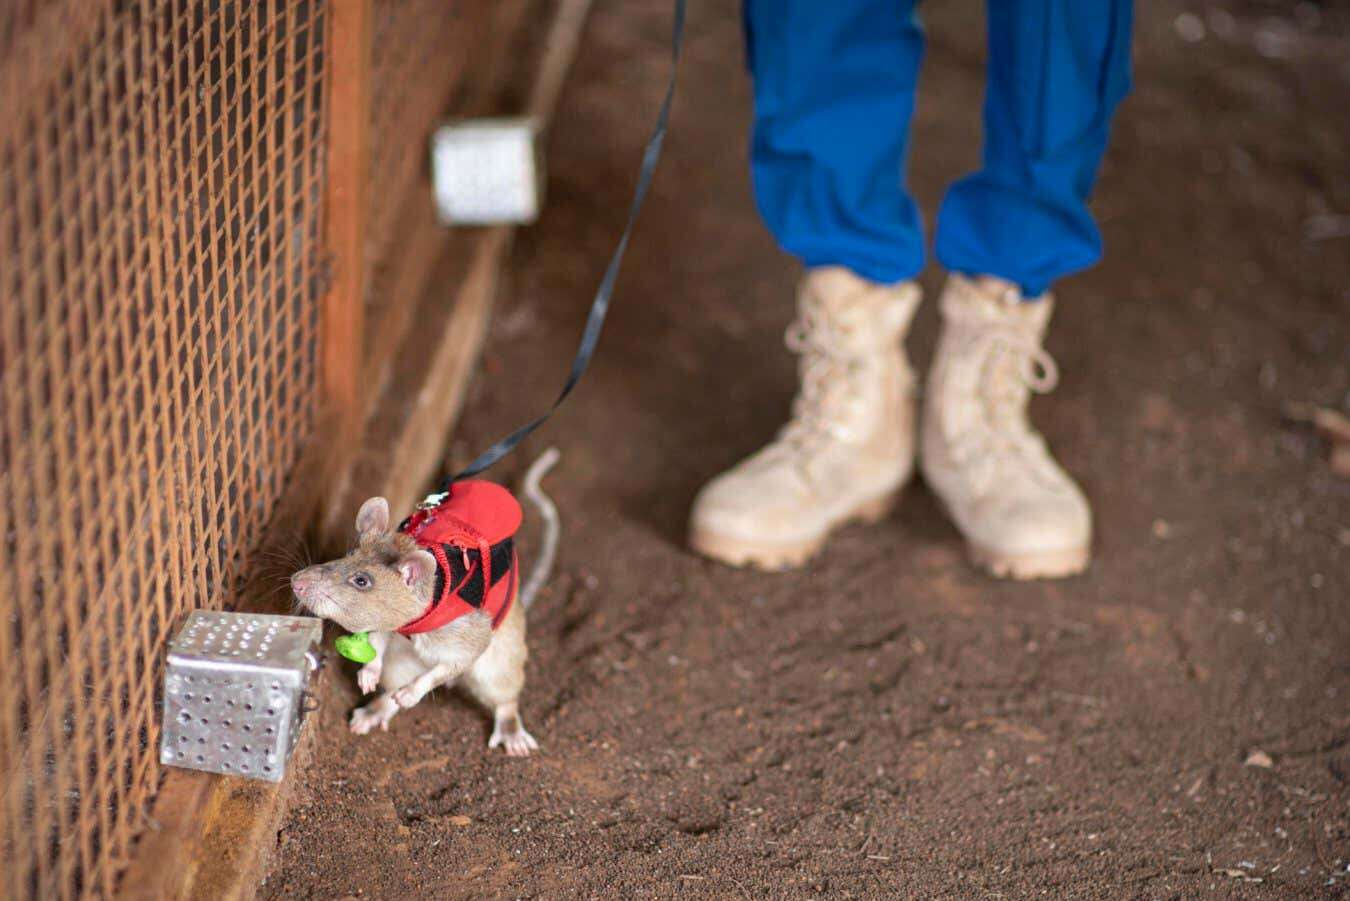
{"x": 888, "y": 722}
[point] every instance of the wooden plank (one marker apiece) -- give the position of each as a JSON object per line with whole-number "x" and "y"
{"x": 494, "y": 59}
{"x": 350, "y": 25}
{"x": 423, "y": 386}
{"x": 420, "y": 448}
{"x": 425, "y": 244}
{"x": 212, "y": 836}
{"x": 165, "y": 856}
{"x": 560, "y": 48}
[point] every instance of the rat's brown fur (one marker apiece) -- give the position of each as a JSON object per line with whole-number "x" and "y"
{"x": 387, "y": 581}
{"x": 389, "y": 603}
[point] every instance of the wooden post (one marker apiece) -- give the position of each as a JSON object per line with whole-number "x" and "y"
{"x": 350, "y": 23}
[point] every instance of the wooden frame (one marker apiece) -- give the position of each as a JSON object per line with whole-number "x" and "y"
{"x": 211, "y": 836}
{"x": 346, "y": 207}
{"x": 405, "y": 442}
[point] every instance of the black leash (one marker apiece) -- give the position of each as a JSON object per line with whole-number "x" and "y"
{"x": 595, "y": 320}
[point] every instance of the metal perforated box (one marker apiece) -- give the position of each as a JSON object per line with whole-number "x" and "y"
{"x": 235, "y": 692}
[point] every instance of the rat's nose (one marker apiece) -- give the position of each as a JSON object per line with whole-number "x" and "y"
{"x": 301, "y": 583}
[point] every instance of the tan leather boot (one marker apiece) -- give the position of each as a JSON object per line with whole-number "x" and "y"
{"x": 1021, "y": 514}
{"x": 849, "y": 447}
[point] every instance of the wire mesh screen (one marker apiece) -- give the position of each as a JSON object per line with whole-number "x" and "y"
{"x": 160, "y": 249}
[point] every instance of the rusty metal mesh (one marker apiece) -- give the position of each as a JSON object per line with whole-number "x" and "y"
{"x": 160, "y": 175}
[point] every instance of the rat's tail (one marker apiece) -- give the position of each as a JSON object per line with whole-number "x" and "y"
{"x": 543, "y": 564}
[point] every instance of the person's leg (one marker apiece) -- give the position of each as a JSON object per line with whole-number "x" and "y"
{"x": 1057, "y": 70}
{"x": 834, "y": 84}
{"x": 834, "y": 91}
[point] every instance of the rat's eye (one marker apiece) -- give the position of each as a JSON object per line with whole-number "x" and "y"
{"x": 361, "y": 581}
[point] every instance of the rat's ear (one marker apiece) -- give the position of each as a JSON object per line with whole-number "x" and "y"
{"x": 373, "y": 518}
{"x": 417, "y": 565}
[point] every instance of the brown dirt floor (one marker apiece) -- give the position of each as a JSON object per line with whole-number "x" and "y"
{"x": 888, "y": 722}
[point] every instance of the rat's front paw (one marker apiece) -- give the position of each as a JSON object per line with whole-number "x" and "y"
{"x": 407, "y": 696}
{"x": 368, "y": 676}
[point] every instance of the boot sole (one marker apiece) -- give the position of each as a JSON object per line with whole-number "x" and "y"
{"x": 1024, "y": 567}
{"x": 777, "y": 556}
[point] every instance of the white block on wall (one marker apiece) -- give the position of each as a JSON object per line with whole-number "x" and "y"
{"x": 487, "y": 171}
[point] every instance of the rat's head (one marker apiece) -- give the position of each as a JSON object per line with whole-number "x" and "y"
{"x": 378, "y": 587}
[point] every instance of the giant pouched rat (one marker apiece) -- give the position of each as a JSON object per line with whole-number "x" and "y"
{"x": 388, "y": 581}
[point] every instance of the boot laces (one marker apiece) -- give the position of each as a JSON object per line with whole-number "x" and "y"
{"x": 827, "y": 399}
{"x": 1011, "y": 365}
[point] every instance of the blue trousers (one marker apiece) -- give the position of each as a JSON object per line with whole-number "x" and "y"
{"x": 834, "y": 84}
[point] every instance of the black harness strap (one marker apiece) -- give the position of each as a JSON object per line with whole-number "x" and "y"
{"x": 600, "y": 305}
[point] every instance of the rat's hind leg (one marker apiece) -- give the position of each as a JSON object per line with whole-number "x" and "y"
{"x": 509, "y": 731}
{"x": 401, "y": 666}
{"x": 496, "y": 680}
{"x": 501, "y": 695}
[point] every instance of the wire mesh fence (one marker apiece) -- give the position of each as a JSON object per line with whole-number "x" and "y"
{"x": 161, "y": 259}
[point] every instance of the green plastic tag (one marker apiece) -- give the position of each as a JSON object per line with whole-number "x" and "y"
{"x": 356, "y": 647}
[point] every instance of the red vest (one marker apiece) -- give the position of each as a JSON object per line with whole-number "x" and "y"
{"x": 469, "y": 532}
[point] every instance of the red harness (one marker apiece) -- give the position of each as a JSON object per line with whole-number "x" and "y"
{"x": 470, "y": 532}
